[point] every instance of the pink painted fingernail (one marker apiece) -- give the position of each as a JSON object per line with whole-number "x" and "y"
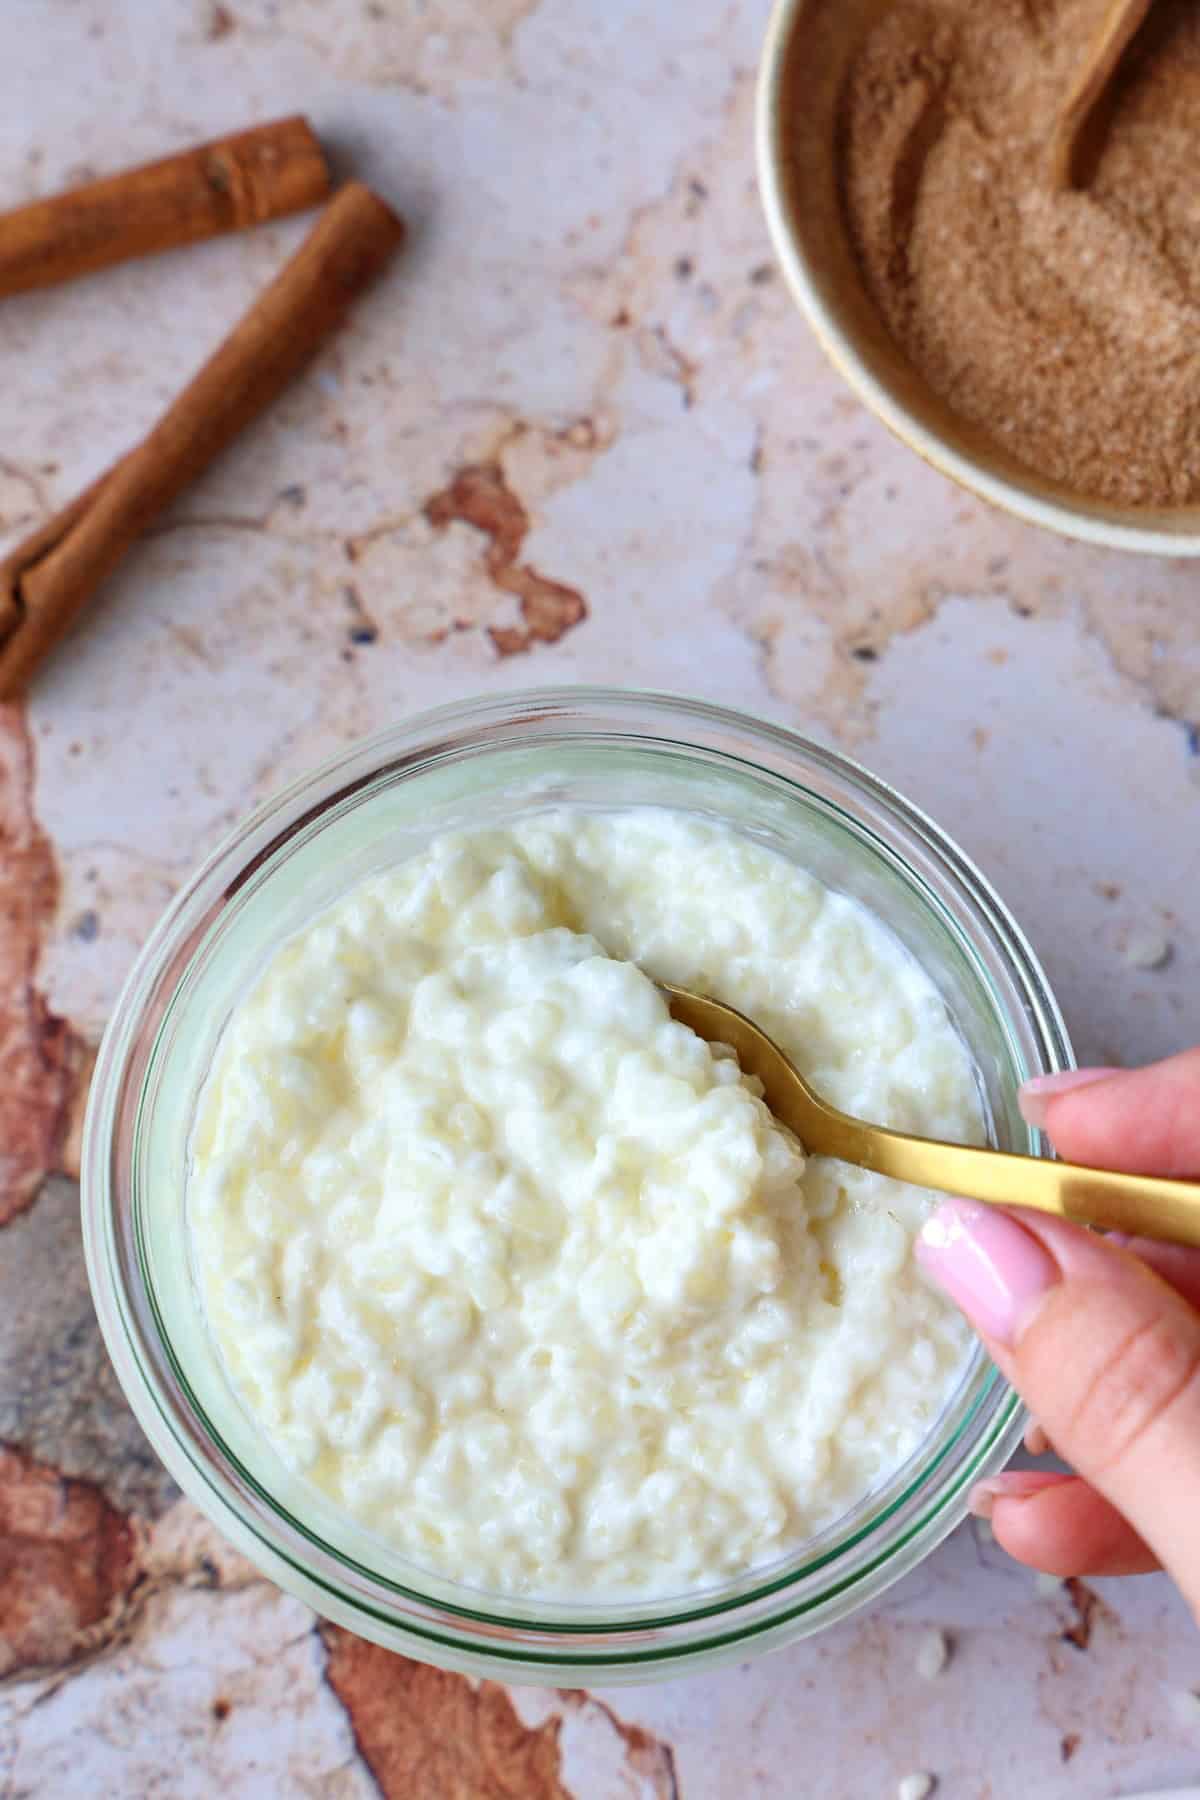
{"x": 1034, "y": 1096}
{"x": 1015, "y": 1484}
{"x": 988, "y": 1264}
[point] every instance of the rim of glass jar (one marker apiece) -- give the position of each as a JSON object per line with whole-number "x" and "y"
{"x": 754, "y": 1613}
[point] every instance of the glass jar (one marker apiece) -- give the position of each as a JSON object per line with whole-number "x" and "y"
{"x": 493, "y": 760}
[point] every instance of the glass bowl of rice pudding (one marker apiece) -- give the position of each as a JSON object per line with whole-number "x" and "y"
{"x": 479, "y": 1303}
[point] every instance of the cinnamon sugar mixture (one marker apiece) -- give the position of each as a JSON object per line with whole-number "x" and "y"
{"x": 1067, "y": 325}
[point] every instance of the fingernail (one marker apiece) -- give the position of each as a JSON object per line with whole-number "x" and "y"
{"x": 1034, "y": 1096}
{"x": 988, "y": 1264}
{"x": 1036, "y": 1441}
{"x": 1016, "y": 1484}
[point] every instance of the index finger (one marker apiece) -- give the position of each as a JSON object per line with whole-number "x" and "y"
{"x": 1145, "y": 1121}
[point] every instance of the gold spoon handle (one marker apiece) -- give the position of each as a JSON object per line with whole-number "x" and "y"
{"x": 1142, "y": 1205}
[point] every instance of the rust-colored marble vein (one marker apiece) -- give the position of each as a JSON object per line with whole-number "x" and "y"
{"x": 480, "y": 496}
{"x": 43, "y": 1062}
{"x": 67, "y": 1562}
{"x": 426, "y": 1734}
{"x": 1089, "y": 1611}
{"x": 647, "y": 1757}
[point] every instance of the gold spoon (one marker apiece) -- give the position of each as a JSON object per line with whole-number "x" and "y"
{"x": 1118, "y": 23}
{"x": 1142, "y": 1205}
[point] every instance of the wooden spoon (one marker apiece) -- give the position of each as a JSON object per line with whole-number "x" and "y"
{"x": 1142, "y": 1205}
{"x": 1120, "y": 20}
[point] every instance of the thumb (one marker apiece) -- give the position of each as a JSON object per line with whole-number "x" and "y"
{"x": 1105, "y": 1353}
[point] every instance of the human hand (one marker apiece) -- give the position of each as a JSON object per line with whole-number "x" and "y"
{"x": 1101, "y": 1336}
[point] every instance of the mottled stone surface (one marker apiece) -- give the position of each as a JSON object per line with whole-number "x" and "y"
{"x": 576, "y": 434}
{"x": 434, "y": 1736}
{"x": 67, "y": 1560}
{"x": 60, "y": 1401}
{"x": 42, "y": 1060}
{"x": 211, "y": 1683}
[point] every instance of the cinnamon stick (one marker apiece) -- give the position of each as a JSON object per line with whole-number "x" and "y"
{"x": 46, "y": 581}
{"x": 222, "y": 186}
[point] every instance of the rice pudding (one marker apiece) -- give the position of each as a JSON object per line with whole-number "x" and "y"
{"x": 521, "y": 1274}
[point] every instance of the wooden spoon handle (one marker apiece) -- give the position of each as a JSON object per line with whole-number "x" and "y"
{"x": 1121, "y": 19}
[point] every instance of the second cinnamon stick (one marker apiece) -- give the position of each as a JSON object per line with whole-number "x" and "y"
{"x": 221, "y": 186}
{"x": 46, "y": 580}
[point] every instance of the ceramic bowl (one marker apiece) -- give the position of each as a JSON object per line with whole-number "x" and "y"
{"x": 804, "y": 63}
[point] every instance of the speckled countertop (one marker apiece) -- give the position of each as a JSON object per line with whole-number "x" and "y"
{"x": 644, "y": 473}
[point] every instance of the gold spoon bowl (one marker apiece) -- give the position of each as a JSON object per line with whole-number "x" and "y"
{"x": 1141, "y": 1205}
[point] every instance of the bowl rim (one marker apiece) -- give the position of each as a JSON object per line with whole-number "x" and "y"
{"x": 1023, "y": 503}
{"x": 756, "y": 1619}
